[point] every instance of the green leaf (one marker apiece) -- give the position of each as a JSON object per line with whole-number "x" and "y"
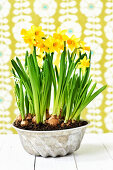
{"x": 52, "y": 72}
{"x": 34, "y": 85}
{"x": 37, "y": 68}
{"x": 57, "y": 73}
{"x": 23, "y": 76}
{"x": 89, "y": 100}
{"x": 22, "y": 101}
{"x": 26, "y": 55}
{"x": 17, "y": 95}
{"x": 26, "y": 103}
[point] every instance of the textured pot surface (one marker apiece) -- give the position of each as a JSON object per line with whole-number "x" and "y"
{"x": 51, "y": 143}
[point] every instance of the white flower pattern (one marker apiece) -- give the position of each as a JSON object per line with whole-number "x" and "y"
{"x": 72, "y": 28}
{"x": 109, "y": 30}
{"x": 91, "y": 8}
{"x": 5, "y": 54}
{"x": 5, "y": 100}
{"x": 4, "y": 8}
{"x": 45, "y": 8}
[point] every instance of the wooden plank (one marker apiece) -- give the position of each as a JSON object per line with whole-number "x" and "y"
{"x": 92, "y": 155}
{"x": 13, "y": 156}
{"x": 59, "y": 163}
{"x": 107, "y": 140}
{"x": 96, "y": 153}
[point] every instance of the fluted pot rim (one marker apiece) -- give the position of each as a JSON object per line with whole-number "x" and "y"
{"x": 52, "y": 131}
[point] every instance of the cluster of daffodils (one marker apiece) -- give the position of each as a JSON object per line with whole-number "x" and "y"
{"x": 36, "y": 37}
{"x": 50, "y": 44}
{"x": 68, "y": 74}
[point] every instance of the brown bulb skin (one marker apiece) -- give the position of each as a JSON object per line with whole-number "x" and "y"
{"x": 34, "y": 119}
{"x": 29, "y": 117}
{"x": 53, "y": 120}
{"x": 19, "y": 118}
{"x": 24, "y": 123}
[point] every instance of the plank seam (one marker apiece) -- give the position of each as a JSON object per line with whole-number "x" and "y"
{"x": 75, "y": 161}
{"x": 34, "y": 162}
{"x": 107, "y": 151}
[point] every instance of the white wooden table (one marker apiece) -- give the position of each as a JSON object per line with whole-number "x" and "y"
{"x": 95, "y": 153}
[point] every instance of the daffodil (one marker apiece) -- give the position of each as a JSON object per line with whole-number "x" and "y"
{"x": 73, "y": 42}
{"x": 83, "y": 47}
{"x": 82, "y": 44}
{"x": 42, "y": 46}
{"x": 83, "y": 64}
{"x": 53, "y": 44}
{"x": 60, "y": 35}
{"x": 33, "y": 35}
{"x": 37, "y": 31}
{"x": 87, "y": 48}
{"x": 27, "y": 37}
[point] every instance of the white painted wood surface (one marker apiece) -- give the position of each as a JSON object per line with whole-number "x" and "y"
{"x": 95, "y": 153}
{"x": 12, "y": 155}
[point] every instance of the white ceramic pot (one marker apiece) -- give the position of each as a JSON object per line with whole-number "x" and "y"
{"x": 51, "y": 143}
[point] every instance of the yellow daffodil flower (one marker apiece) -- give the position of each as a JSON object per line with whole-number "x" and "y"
{"x": 37, "y": 31}
{"x": 84, "y": 48}
{"x": 82, "y": 44}
{"x": 53, "y": 44}
{"x": 27, "y": 37}
{"x": 87, "y": 48}
{"x": 60, "y": 35}
{"x": 42, "y": 46}
{"x": 83, "y": 64}
{"x": 73, "y": 42}
{"x": 33, "y": 35}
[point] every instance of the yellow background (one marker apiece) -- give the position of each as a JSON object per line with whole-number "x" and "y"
{"x": 91, "y": 20}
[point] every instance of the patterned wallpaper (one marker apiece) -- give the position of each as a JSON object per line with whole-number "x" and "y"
{"x": 92, "y": 20}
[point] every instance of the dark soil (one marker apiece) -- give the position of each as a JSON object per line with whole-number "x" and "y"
{"x": 47, "y": 127}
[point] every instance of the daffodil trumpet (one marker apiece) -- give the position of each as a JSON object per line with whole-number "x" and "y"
{"x": 69, "y": 75}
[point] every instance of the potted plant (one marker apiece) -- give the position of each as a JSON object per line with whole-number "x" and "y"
{"x": 61, "y": 132}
